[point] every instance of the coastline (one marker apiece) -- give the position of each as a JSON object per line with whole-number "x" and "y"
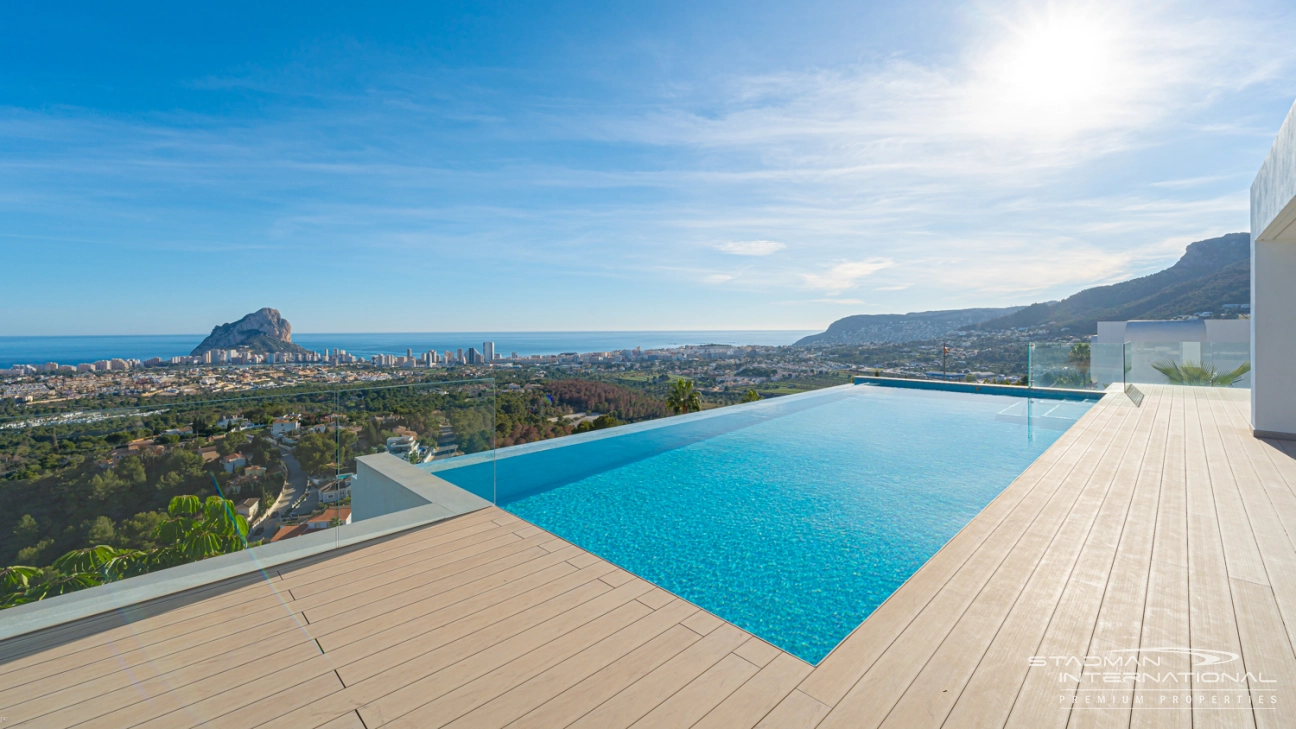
{"x": 88, "y": 348}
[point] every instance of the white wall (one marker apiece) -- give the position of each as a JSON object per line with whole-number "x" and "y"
{"x": 385, "y": 484}
{"x": 1273, "y": 288}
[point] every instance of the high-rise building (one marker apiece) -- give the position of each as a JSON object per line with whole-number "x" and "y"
{"x": 488, "y": 350}
{"x": 459, "y": 358}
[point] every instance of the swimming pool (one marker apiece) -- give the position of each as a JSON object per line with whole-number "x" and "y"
{"x": 792, "y": 518}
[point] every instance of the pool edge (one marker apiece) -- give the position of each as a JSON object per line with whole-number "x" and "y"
{"x": 1045, "y": 393}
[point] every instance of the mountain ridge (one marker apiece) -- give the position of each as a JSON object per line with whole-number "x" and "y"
{"x": 870, "y": 328}
{"x": 1210, "y": 274}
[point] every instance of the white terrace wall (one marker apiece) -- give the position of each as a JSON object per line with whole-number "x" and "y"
{"x": 1273, "y": 288}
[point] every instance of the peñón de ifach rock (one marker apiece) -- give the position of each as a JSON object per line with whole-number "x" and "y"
{"x": 261, "y": 331}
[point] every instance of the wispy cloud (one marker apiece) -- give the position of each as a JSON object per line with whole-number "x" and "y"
{"x": 751, "y": 247}
{"x": 845, "y": 275}
{"x": 1043, "y": 149}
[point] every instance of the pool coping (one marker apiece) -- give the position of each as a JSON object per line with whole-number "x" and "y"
{"x": 1044, "y": 393}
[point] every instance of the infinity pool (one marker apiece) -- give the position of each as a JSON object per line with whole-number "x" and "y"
{"x": 793, "y": 518}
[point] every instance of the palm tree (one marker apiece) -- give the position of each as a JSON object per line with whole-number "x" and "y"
{"x": 1194, "y": 373}
{"x": 751, "y": 396}
{"x": 683, "y": 398}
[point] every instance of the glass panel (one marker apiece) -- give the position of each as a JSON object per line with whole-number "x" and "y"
{"x": 425, "y": 423}
{"x": 1075, "y": 365}
{"x": 95, "y": 495}
{"x": 1203, "y": 364}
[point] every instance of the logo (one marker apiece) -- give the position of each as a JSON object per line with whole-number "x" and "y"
{"x": 1166, "y": 678}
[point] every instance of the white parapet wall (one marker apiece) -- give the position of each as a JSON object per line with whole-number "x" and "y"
{"x": 1273, "y": 288}
{"x": 385, "y": 484}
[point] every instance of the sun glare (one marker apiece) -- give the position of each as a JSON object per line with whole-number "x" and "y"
{"x": 1056, "y": 73}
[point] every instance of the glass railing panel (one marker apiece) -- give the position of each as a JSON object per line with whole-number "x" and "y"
{"x": 1231, "y": 360}
{"x": 97, "y": 494}
{"x": 1200, "y": 364}
{"x": 1075, "y": 365}
{"x": 425, "y": 423}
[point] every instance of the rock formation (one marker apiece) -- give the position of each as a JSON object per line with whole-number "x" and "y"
{"x": 261, "y": 331}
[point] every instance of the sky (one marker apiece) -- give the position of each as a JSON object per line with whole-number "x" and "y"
{"x": 521, "y": 166}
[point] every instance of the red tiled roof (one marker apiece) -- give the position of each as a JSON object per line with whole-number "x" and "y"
{"x": 288, "y": 532}
{"x": 341, "y": 512}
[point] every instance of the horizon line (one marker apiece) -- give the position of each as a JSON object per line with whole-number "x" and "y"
{"x": 464, "y": 331}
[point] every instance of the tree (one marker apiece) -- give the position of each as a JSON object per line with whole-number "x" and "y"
{"x": 102, "y": 530}
{"x": 683, "y": 398}
{"x": 599, "y": 423}
{"x": 315, "y": 451}
{"x": 231, "y": 443}
{"x": 750, "y": 396}
{"x": 137, "y": 532}
{"x": 27, "y": 530}
{"x": 198, "y": 530}
{"x": 76, "y": 570}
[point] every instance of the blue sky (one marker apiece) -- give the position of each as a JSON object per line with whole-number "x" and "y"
{"x": 695, "y": 165}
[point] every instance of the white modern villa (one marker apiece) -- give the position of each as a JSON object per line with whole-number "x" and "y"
{"x": 1137, "y": 569}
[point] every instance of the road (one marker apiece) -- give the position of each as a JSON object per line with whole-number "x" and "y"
{"x": 294, "y": 488}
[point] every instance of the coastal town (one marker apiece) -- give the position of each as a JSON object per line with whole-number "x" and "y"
{"x": 723, "y": 367}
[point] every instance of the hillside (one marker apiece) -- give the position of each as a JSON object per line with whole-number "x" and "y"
{"x": 872, "y": 328}
{"x": 1210, "y": 274}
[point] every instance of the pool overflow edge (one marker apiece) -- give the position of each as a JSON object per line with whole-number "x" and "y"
{"x": 1047, "y": 393}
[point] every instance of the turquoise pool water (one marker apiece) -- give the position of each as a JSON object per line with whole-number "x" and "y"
{"x": 794, "y": 518}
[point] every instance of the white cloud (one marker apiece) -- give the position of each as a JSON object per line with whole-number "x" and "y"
{"x": 751, "y": 247}
{"x": 1039, "y": 152}
{"x": 845, "y": 275}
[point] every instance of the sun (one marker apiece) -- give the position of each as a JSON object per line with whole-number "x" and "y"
{"x": 1055, "y": 72}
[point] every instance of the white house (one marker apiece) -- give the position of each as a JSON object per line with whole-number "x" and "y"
{"x": 335, "y": 491}
{"x": 401, "y": 445}
{"x": 233, "y": 462}
{"x": 248, "y": 508}
{"x": 284, "y": 426}
{"x": 1273, "y": 288}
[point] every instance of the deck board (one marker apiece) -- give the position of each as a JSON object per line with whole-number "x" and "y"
{"x": 1140, "y": 528}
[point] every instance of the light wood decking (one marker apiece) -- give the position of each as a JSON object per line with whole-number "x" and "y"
{"x": 1163, "y": 526}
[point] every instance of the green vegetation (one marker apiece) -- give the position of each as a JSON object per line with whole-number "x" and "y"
{"x": 192, "y": 530}
{"x": 320, "y": 453}
{"x": 683, "y": 398}
{"x": 599, "y": 423}
{"x": 750, "y": 396}
{"x": 1195, "y": 373}
{"x": 95, "y": 481}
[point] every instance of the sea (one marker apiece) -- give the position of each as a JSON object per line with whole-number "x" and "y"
{"x": 78, "y": 349}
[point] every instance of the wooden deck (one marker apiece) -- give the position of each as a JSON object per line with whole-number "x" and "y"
{"x": 1161, "y": 527}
